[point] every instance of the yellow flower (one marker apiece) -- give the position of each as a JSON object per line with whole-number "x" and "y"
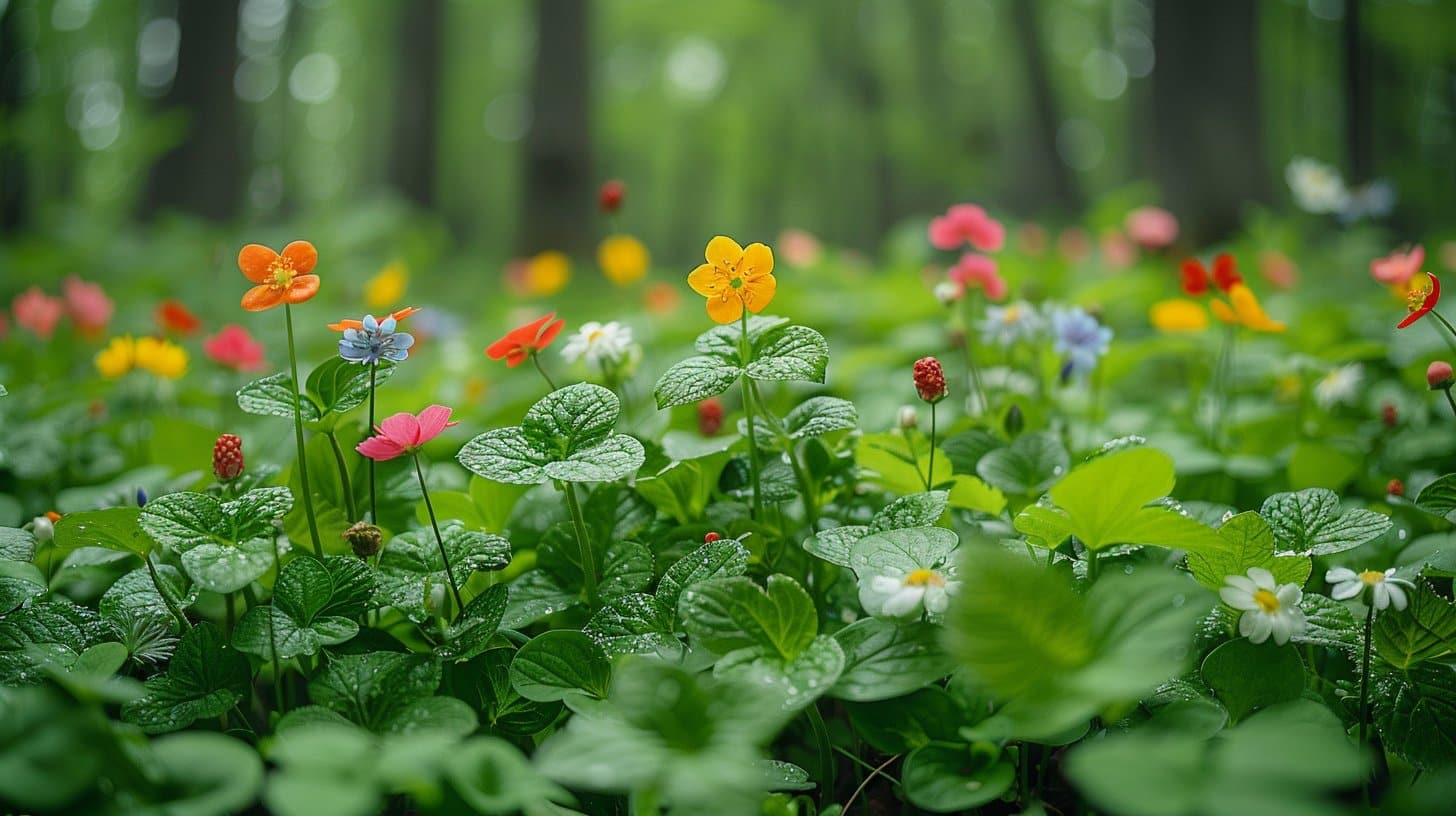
{"x": 1178, "y": 315}
{"x": 387, "y": 287}
{"x": 547, "y": 273}
{"x": 1243, "y": 309}
{"x": 734, "y": 278}
{"x": 163, "y": 358}
{"x": 623, "y": 259}
{"x": 117, "y": 358}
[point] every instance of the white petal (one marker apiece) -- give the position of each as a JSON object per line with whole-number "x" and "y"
{"x": 1381, "y": 593}
{"x": 1345, "y": 590}
{"x": 1279, "y": 626}
{"x": 1339, "y": 575}
{"x": 1289, "y": 595}
{"x": 885, "y": 584}
{"x": 936, "y": 600}
{"x": 904, "y": 603}
{"x": 1397, "y": 595}
{"x": 1263, "y": 579}
{"x": 1255, "y": 626}
{"x": 1240, "y": 582}
{"x": 1237, "y": 598}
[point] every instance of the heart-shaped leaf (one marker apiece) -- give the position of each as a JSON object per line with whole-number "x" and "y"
{"x": 411, "y": 563}
{"x": 315, "y": 604}
{"x": 470, "y": 634}
{"x": 1248, "y": 542}
{"x": 273, "y": 396}
{"x": 1309, "y": 522}
{"x": 567, "y": 435}
{"x": 560, "y": 664}
{"x": 726, "y": 614}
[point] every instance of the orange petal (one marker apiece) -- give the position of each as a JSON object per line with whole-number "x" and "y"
{"x": 758, "y": 292}
{"x": 260, "y": 298}
{"x": 255, "y": 260}
{"x": 1222, "y": 311}
{"x": 303, "y": 289}
{"x": 725, "y": 309}
{"x": 346, "y": 324}
{"x": 403, "y": 313}
{"x": 515, "y": 357}
{"x": 707, "y": 281}
{"x": 723, "y": 252}
{"x": 303, "y": 256}
{"x": 757, "y": 260}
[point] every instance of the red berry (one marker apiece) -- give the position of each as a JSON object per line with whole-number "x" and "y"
{"x": 929, "y": 379}
{"x": 710, "y": 538}
{"x": 710, "y": 416}
{"x": 1395, "y": 488}
{"x": 1389, "y": 415}
{"x": 609, "y": 198}
{"x": 227, "y": 458}
{"x": 1438, "y": 375}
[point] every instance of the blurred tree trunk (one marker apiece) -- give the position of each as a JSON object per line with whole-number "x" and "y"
{"x": 1050, "y": 174}
{"x": 1210, "y": 153}
{"x": 13, "y": 186}
{"x": 1359, "y": 103}
{"x": 417, "y": 101}
{"x": 204, "y": 174}
{"x": 558, "y": 148}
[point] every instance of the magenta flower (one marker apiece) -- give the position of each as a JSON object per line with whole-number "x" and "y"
{"x": 979, "y": 271}
{"x": 1151, "y": 227}
{"x": 967, "y": 224}
{"x": 405, "y": 433}
{"x": 87, "y": 304}
{"x": 38, "y": 312}
{"x": 1397, "y": 268}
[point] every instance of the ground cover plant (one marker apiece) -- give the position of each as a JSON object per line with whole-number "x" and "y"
{"x": 982, "y": 572}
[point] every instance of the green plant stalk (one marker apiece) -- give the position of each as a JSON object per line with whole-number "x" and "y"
{"x": 230, "y": 614}
{"x": 801, "y": 474}
{"x": 826, "y": 751}
{"x": 1365, "y": 678}
{"x": 982, "y": 400}
{"x": 439, "y": 539}
{"x": 753, "y": 466}
{"x": 373, "y": 497}
{"x": 1450, "y": 400}
{"x": 857, "y": 791}
{"x": 166, "y": 599}
{"x": 313, "y": 529}
{"x": 930, "y": 466}
{"x": 346, "y": 484}
{"x": 1450, "y": 335}
{"x": 583, "y": 543}
{"x": 536, "y": 359}
{"x": 1093, "y": 568}
{"x": 644, "y": 802}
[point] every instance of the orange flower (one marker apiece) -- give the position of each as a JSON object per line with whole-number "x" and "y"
{"x": 176, "y": 318}
{"x": 734, "y": 278}
{"x": 348, "y": 323}
{"x": 521, "y": 342}
{"x": 280, "y": 277}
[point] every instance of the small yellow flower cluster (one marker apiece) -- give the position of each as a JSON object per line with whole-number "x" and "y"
{"x": 162, "y": 358}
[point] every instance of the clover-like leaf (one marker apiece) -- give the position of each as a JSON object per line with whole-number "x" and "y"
{"x": 206, "y": 677}
{"x": 799, "y": 680}
{"x": 1309, "y": 522}
{"x": 315, "y": 604}
{"x": 567, "y": 436}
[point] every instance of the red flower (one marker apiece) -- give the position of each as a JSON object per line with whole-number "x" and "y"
{"x": 1389, "y": 415}
{"x": 609, "y": 198}
{"x": 930, "y": 379}
{"x": 1195, "y": 278}
{"x": 1225, "y": 273}
{"x": 521, "y": 342}
{"x": 227, "y": 458}
{"x": 176, "y": 318}
{"x": 233, "y": 347}
{"x": 1422, "y": 301}
{"x": 710, "y": 416}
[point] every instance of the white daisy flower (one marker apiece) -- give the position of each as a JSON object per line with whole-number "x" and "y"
{"x": 1317, "y": 187}
{"x": 904, "y": 595}
{"x": 599, "y": 343}
{"x": 1010, "y": 324}
{"x": 1340, "y": 386}
{"x": 1385, "y": 588}
{"x": 1268, "y": 608}
{"x": 949, "y": 292}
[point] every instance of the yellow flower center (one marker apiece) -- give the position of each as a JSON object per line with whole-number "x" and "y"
{"x": 282, "y": 272}
{"x": 1371, "y": 577}
{"x": 1011, "y": 315}
{"x": 1267, "y": 601}
{"x": 924, "y": 577}
{"x": 595, "y": 336}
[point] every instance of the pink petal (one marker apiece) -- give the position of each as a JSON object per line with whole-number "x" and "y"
{"x": 433, "y": 421}
{"x": 944, "y": 234}
{"x": 403, "y": 429}
{"x": 995, "y": 288}
{"x": 987, "y": 235}
{"x": 379, "y": 448}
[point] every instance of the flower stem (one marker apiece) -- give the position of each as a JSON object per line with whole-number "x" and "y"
{"x": 826, "y": 752}
{"x": 536, "y": 359}
{"x": 1450, "y": 400}
{"x": 743, "y": 356}
{"x": 346, "y": 484}
{"x": 930, "y": 467}
{"x": 373, "y": 498}
{"x": 801, "y": 472}
{"x": 439, "y": 540}
{"x": 313, "y": 529}
{"x": 167, "y": 599}
{"x": 583, "y": 543}
{"x": 1365, "y": 673}
{"x": 1450, "y": 335}
{"x": 982, "y": 399}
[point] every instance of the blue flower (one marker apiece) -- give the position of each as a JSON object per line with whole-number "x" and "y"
{"x": 376, "y": 340}
{"x": 1080, "y": 339}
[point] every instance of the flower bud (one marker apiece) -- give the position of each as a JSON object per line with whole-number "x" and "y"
{"x": 949, "y": 292}
{"x": 907, "y": 418}
{"x": 141, "y": 497}
{"x": 1014, "y": 421}
{"x": 227, "y": 458}
{"x": 710, "y": 416}
{"x": 711, "y": 537}
{"x": 610, "y": 196}
{"x": 1395, "y": 488}
{"x": 1439, "y": 375}
{"x": 43, "y": 528}
{"x": 364, "y": 538}
{"x": 930, "y": 379}
{"x": 1389, "y": 416}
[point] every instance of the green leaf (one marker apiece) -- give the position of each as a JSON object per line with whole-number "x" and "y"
{"x": 1248, "y": 676}
{"x": 223, "y": 568}
{"x": 559, "y": 664}
{"x": 494, "y": 502}
{"x": 315, "y": 604}
{"x": 484, "y": 683}
{"x": 1105, "y": 502}
{"x": 1309, "y": 523}
{"x": 902, "y": 724}
{"x": 534, "y": 596}
{"x": 616, "y": 457}
{"x": 185, "y": 520}
{"x": 790, "y": 353}
{"x": 273, "y": 396}
{"x": 1328, "y": 623}
{"x": 724, "y": 558}
{"x": 722, "y": 340}
{"x": 471, "y": 633}
{"x": 1247, "y": 542}
{"x": 411, "y": 563}
{"x": 682, "y": 489}
{"x": 54, "y": 621}
{"x": 1439, "y": 498}
{"x": 833, "y": 545}
{"x": 204, "y": 774}
{"x": 1030, "y": 464}
{"x": 567, "y": 435}
{"x": 16, "y": 544}
{"x": 915, "y": 510}
{"x": 206, "y": 678}
{"x": 635, "y": 624}
{"x": 1425, "y": 630}
{"x": 117, "y": 528}
{"x": 492, "y": 776}
{"x": 726, "y": 614}
{"x": 955, "y": 778}
{"x": 1414, "y": 710}
{"x": 818, "y": 416}
{"x": 694, "y": 379}
{"x": 134, "y": 594}
{"x": 387, "y": 693}
{"x": 970, "y": 493}
{"x": 799, "y": 680}
{"x": 902, "y": 551}
{"x": 884, "y": 659}
{"x": 341, "y": 386}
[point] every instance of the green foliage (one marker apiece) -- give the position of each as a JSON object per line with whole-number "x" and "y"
{"x": 1248, "y": 542}
{"x": 1425, "y": 630}
{"x": 1310, "y": 523}
{"x": 206, "y": 678}
{"x": 558, "y": 664}
{"x": 411, "y": 563}
{"x": 567, "y": 436}
{"x": 1247, "y": 676}
{"x": 315, "y": 604}
{"x": 884, "y": 659}
{"x": 777, "y": 352}
{"x": 384, "y": 692}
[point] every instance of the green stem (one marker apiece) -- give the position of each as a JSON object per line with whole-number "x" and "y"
{"x": 1365, "y": 673}
{"x": 536, "y": 359}
{"x": 801, "y": 473}
{"x": 345, "y": 482}
{"x": 930, "y": 466}
{"x": 439, "y": 539}
{"x": 167, "y": 599}
{"x": 583, "y": 543}
{"x": 644, "y": 802}
{"x": 753, "y": 467}
{"x": 826, "y": 751}
{"x": 229, "y": 600}
{"x": 373, "y": 498}
{"x": 313, "y": 529}
{"x": 982, "y": 399}
{"x": 1450, "y": 335}
{"x": 1450, "y": 401}
{"x": 1093, "y": 568}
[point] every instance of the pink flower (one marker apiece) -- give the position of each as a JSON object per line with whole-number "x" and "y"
{"x": 967, "y": 223}
{"x": 406, "y": 433}
{"x": 1074, "y": 245}
{"x": 233, "y": 347}
{"x": 1151, "y": 227}
{"x": 1032, "y": 238}
{"x": 87, "y": 304}
{"x": 1117, "y": 251}
{"x": 798, "y": 247}
{"x": 37, "y": 311}
{"x": 978, "y": 270}
{"x": 1397, "y": 268}
{"x": 1278, "y": 269}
